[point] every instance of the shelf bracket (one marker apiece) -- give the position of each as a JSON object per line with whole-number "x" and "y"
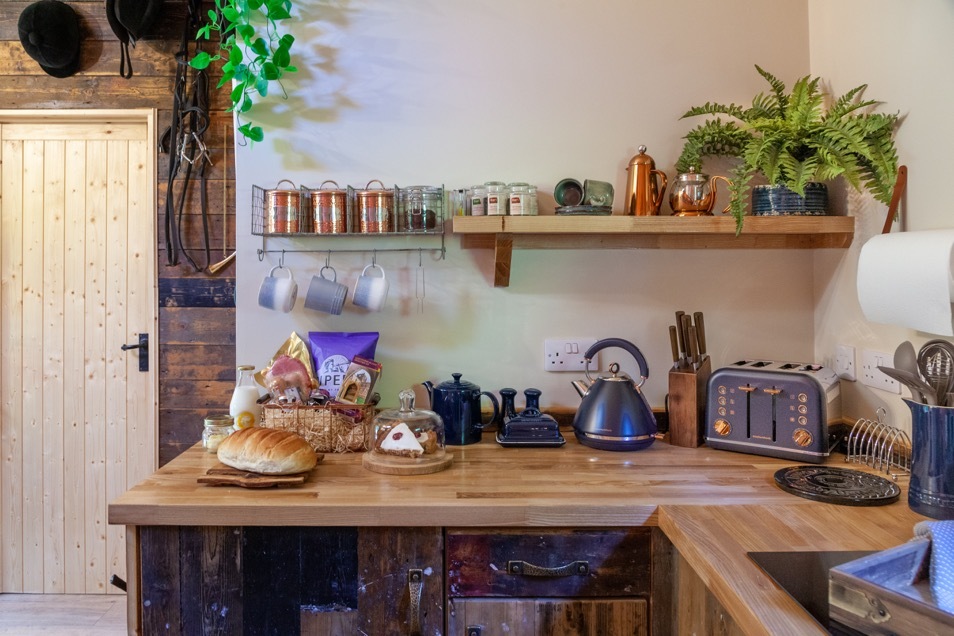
{"x": 503, "y": 253}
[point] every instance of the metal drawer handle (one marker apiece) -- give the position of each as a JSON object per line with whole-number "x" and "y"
{"x": 415, "y": 586}
{"x": 574, "y": 568}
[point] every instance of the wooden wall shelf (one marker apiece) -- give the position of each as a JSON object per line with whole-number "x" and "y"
{"x": 506, "y": 233}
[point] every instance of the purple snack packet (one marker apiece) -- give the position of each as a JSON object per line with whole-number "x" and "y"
{"x": 332, "y": 352}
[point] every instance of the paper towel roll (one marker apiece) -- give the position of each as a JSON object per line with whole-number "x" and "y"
{"x": 906, "y": 279}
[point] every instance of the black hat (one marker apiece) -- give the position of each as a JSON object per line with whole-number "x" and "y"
{"x": 130, "y": 20}
{"x": 50, "y": 34}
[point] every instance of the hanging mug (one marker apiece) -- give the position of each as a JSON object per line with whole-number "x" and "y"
{"x": 278, "y": 293}
{"x": 326, "y": 294}
{"x": 370, "y": 291}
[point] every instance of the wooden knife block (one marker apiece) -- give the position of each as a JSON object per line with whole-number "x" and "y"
{"x": 687, "y": 404}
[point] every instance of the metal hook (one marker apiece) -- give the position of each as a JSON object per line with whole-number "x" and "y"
{"x": 328, "y": 259}
{"x": 374, "y": 258}
{"x": 281, "y": 261}
{"x": 420, "y": 257}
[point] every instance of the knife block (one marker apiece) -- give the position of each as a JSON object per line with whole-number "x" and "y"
{"x": 687, "y": 403}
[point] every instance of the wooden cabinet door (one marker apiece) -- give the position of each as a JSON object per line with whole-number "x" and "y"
{"x": 547, "y": 617}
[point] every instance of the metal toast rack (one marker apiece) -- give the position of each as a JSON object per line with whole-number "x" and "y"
{"x": 877, "y": 444}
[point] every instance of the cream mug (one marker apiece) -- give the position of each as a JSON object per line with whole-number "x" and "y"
{"x": 278, "y": 293}
{"x": 370, "y": 291}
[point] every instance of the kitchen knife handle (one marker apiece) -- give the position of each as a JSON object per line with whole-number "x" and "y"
{"x": 686, "y": 323}
{"x": 693, "y": 347}
{"x": 681, "y": 335}
{"x": 674, "y": 343}
{"x": 700, "y": 333}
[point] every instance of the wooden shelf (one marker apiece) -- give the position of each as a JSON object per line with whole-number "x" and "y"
{"x": 506, "y": 233}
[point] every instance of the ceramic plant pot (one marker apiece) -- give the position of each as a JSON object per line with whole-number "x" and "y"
{"x": 774, "y": 200}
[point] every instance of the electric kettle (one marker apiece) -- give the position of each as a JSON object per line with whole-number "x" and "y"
{"x": 614, "y": 414}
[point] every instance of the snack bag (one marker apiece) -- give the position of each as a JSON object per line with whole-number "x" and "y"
{"x": 289, "y": 372}
{"x": 332, "y": 353}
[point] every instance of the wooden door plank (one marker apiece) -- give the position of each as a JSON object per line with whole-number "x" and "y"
{"x": 117, "y": 334}
{"x": 95, "y": 371}
{"x": 11, "y": 394}
{"x": 51, "y": 329}
{"x": 74, "y": 396}
{"x": 32, "y": 344}
{"x": 141, "y": 400}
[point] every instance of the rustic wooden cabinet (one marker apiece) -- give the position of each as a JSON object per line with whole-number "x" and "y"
{"x": 548, "y": 581}
{"x": 290, "y": 580}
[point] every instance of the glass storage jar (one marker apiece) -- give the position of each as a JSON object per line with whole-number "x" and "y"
{"x": 496, "y": 198}
{"x": 215, "y": 429}
{"x": 519, "y": 199}
{"x": 478, "y": 200}
{"x": 421, "y": 208}
{"x": 406, "y": 437}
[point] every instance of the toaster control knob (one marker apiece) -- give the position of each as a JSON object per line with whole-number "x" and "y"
{"x": 802, "y": 397}
{"x": 802, "y": 437}
{"x": 722, "y": 427}
{"x": 802, "y": 409}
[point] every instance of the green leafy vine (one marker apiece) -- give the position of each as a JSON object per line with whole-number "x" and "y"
{"x": 252, "y": 51}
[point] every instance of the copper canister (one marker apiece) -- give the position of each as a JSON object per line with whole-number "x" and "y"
{"x": 329, "y": 209}
{"x": 283, "y": 210}
{"x": 375, "y": 209}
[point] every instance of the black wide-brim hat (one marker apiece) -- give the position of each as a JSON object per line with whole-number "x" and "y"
{"x": 50, "y": 34}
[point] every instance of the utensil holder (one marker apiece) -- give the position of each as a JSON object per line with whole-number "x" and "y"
{"x": 687, "y": 403}
{"x": 931, "y": 491}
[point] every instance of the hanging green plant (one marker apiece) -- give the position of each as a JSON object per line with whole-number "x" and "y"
{"x": 252, "y": 50}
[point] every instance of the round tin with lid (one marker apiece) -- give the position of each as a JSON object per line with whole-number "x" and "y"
{"x": 329, "y": 209}
{"x": 375, "y": 209}
{"x": 282, "y": 209}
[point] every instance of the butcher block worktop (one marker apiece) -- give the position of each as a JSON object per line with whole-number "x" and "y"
{"x": 714, "y": 506}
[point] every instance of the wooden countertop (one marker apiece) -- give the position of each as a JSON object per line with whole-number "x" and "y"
{"x": 713, "y": 505}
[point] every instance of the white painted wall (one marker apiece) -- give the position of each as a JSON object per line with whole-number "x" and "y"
{"x": 460, "y": 92}
{"x": 903, "y": 51}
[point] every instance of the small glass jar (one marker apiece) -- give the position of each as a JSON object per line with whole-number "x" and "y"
{"x": 421, "y": 207}
{"x": 478, "y": 200}
{"x": 519, "y": 199}
{"x": 407, "y": 435}
{"x": 216, "y": 428}
{"x": 532, "y": 192}
{"x": 496, "y": 198}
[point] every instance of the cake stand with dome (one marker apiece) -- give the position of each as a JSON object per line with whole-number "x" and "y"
{"x": 407, "y": 441}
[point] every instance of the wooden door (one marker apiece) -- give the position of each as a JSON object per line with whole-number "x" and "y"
{"x": 77, "y": 281}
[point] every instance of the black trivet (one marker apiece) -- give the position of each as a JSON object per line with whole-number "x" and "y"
{"x": 841, "y": 486}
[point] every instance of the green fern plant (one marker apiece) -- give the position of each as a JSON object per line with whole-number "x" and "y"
{"x": 251, "y": 58}
{"x": 792, "y": 138}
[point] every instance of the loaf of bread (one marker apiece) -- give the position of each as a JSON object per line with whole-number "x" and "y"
{"x": 268, "y": 451}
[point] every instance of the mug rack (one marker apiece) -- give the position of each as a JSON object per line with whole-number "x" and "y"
{"x": 418, "y": 233}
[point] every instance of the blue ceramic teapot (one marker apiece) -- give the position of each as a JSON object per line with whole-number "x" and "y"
{"x": 458, "y": 404}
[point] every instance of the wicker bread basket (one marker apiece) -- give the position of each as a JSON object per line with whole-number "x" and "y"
{"x": 329, "y": 428}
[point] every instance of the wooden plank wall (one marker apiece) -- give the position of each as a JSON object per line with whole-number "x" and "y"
{"x": 197, "y": 311}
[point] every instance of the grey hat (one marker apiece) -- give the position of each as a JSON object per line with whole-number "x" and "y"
{"x": 50, "y": 34}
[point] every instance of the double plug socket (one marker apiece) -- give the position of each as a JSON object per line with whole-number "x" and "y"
{"x": 566, "y": 354}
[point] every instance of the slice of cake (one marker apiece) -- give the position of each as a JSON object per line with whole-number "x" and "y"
{"x": 401, "y": 441}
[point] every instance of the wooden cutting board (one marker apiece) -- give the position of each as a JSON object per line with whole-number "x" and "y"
{"x": 225, "y": 476}
{"x": 401, "y": 466}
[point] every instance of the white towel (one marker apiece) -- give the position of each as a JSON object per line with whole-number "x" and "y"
{"x": 941, "y": 574}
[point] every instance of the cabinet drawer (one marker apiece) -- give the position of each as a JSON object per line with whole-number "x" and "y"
{"x": 571, "y": 563}
{"x": 548, "y": 616}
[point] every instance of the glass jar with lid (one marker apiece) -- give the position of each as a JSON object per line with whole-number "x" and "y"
{"x": 478, "y": 200}
{"x": 407, "y": 441}
{"x": 215, "y": 429}
{"x": 519, "y": 199}
{"x": 496, "y": 198}
{"x": 421, "y": 207}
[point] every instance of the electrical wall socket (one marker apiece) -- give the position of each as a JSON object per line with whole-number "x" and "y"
{"x": 871, "y": 376}
{"x": 566, "y": 354}
{"x": 845, "y": 362}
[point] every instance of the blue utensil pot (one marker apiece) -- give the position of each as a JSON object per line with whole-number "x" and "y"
{"x": 932, "y": 460}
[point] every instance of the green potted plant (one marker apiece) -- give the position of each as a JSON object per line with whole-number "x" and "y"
{"x": 797, "y": 138}
{"x": 252, "y": 50}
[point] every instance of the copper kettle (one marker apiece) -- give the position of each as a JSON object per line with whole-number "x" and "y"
{"x": 643, "y": 196}
{"x": 694, "y": 194}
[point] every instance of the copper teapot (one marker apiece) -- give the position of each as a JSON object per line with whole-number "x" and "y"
{"x": 694, "y": 194}
{"x": 644, "y": 196}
